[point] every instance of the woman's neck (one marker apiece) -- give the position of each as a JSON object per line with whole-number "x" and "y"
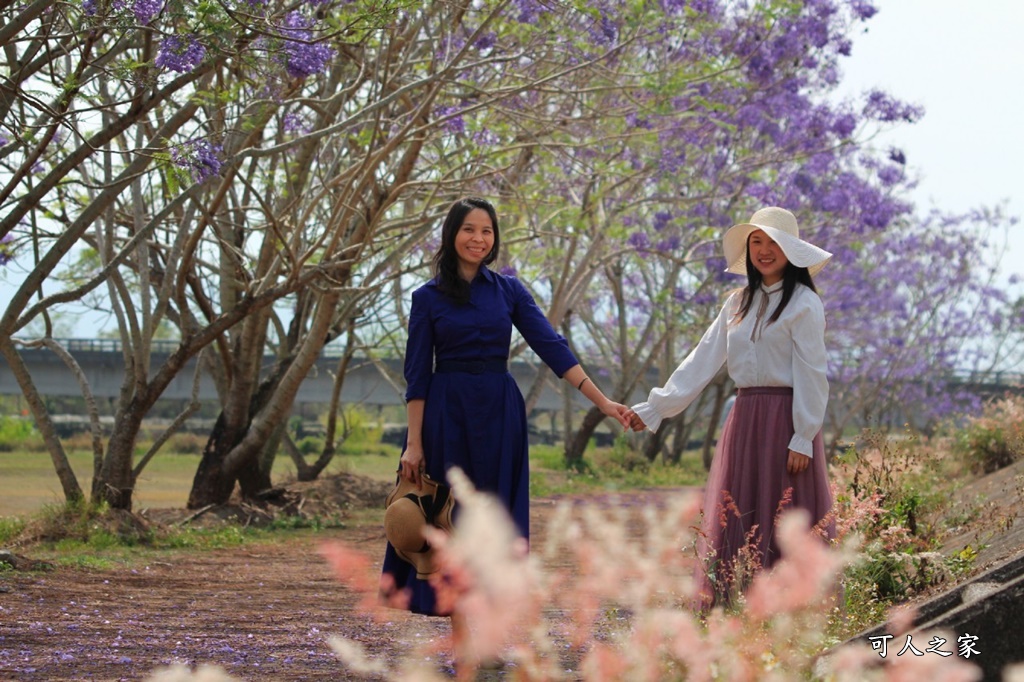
{"x": 468, "y": 272}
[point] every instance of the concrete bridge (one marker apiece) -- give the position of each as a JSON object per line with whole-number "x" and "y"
{"x": 365, "y": 383}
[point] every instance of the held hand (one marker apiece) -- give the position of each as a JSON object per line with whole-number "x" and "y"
{"x": 412, "y": 466}
{"x": 635, "y": 422}
{"x": 797, "y": 462}
{"x": 618, "y": 412}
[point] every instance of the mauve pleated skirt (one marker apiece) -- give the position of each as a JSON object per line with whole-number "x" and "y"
{"x": 748, "y": 486}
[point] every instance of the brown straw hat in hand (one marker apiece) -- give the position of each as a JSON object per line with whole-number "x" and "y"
{"x": 407, "y": 511}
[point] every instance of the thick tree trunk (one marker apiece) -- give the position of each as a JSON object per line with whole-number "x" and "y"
{"x": 280, "y": 402}
{"x": 210, "y": 485}
{"x": 116, "y": 482}
{"x": 255, "y": 479}
{"x": 213, "y": 483}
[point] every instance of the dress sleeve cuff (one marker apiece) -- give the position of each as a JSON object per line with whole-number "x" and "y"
{"x": 802, "y": 445}
{"x": 649, "y": 415}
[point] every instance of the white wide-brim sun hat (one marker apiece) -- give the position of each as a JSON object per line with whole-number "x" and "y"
{"x": 780, "y": 225}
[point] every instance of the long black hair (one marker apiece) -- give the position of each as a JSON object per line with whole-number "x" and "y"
{"x": 791, "y": 276}
{"x": 446, "y": 260}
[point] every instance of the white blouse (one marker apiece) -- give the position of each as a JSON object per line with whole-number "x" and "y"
{"x": 787, "y": 352}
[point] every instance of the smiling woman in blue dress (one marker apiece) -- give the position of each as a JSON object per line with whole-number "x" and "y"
{"x": 464, "y": 408}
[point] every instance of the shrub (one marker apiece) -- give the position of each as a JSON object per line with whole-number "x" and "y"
{"x": 10, "y": 528}
{"x": 184, "y": 443}
{"x": 994, "y": 439}
{"x": 19, "y": 433}
{"x": 310, "y": 445}
{"x": 884, "y": 494}
{"x": 97, "y": 526}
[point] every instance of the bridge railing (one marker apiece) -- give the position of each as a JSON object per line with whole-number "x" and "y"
{"x": 158, "y": 346}
{"x": 988, "y": 377}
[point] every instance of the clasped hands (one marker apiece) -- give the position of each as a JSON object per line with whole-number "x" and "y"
{"x": 627, "y": 417}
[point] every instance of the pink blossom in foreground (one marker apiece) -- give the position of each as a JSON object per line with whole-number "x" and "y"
{"x": 622, "y": 578}
{"x": 801, "y": 581}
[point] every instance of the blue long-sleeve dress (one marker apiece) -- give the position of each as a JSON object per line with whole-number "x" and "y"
{"x": 474, "y": 414}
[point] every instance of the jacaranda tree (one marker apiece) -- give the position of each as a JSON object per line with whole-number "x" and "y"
{"x": 263, "y": 176}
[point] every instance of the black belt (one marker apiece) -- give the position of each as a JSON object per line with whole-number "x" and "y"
{"x": 472, "y": 366}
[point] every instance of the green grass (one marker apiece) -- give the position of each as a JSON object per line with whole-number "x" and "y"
{"x": 609, "y": 469}
{"x": 10, "y": 528}
{"x": 28, "y": 481}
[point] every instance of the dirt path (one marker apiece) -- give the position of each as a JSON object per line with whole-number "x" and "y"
{"x": 262, "y": 612}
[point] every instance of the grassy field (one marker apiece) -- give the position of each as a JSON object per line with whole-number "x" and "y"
{"x": 28, "y": 481}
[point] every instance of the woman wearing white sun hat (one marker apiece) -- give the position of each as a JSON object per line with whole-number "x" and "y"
{"x": 770, "y": 456}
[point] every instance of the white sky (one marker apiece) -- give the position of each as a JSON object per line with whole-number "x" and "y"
{"x": 964, "y": 62}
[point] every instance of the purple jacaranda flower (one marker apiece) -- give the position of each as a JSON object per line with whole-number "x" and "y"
{"x": 639, "y": 241}
{"x": 486, "y": 41}
{"x": 454, "y": 122}
{"x": 180, "y": 53}
{"x": 883, "y": 107}
{"x": 890, "y": 175}
{"x": 528, "y": 11}
{"x": 508, "y": 271}
{"x": 661, "y": 220}
{"x": 6, "y": 249}
{"x": 486, "y": 138}
{"x": 804, "y": 182}
{"x": 302, "y": 56}
{"x": 673, "y": 6}
{"x": 897, "y": 156}
{"x": 605, "y": 32}
{"x": 706, "y": 297}
{"x": 199, "y": 157}
{"x": 145, "y": 10}
{"x": 89, "y": 7}
{"x": 863, "y": 10}
{"x": 295, "y": 123}
{"x": 844, "y": 125}
{"x": 669, "y": 245}
{"x": 633, "y": 120}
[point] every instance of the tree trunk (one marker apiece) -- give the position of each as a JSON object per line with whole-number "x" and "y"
{"x": 210, "y": 485}
{"x": 680, "y": 439}
{"x": 708, "y": 452}
{"x": 656, "y": 441}
{"x": 213, "y": 483}
{"x": 66, "y": 475}
{"x": 116, "y": 481}
{"x": 254, "y": 478}
{"x": 576, "y": 446}
{"x": 304, "y": 471}
{"x": 279, "y": 402}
